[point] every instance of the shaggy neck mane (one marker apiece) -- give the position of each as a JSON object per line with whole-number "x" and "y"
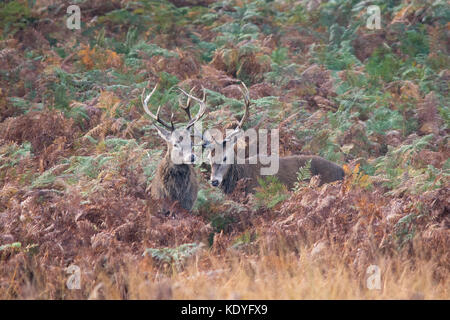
{"x": 177, "y": 172}
{"x": 231, "y": 178}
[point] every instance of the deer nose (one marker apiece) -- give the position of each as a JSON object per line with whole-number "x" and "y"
{"x": 215, "y": 183}
{"x": 192, "y": 158}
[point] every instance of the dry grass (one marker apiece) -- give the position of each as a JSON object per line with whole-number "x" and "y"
{"x": 240, "y": 276}
{"x": 317, "y": 244}
{"x": 290, "y": 277}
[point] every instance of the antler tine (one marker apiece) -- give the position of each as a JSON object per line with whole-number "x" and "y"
{"x": 246, "y": 95}
{"x": 201, "y": 111}
{"x": 155, "y": 117}
{"x": 187, "y": 107}
{"x": 237, "y": 130}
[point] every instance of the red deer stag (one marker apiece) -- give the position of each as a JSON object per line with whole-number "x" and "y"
{"x": 225, "y": 174}
{"x": 175, "y": 179}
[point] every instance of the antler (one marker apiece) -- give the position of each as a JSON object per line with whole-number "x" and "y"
{"x": 187, "y": 106}
{"x": 156, "y": 117}
{"x": 237, "y": 130}
{"x": 246, "y": 95}
{"x": 201, "y": 112}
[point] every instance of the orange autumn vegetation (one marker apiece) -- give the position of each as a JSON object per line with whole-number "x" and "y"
{"x": 97, "y": 58}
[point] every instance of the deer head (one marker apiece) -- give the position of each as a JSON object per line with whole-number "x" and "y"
{"x": 222, "y": 154}
{"x": 179, "y": 140}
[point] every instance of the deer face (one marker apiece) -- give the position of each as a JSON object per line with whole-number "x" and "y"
{"x": 179, "y": 143}
{"x": 221, "y": 158}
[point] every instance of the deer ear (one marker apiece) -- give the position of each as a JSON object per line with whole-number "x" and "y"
{"x": 163, "y": 133}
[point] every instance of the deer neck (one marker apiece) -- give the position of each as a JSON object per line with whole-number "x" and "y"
{"x": 231, "y": 178}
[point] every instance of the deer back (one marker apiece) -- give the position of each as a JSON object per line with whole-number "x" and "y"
{"x": 287, "y": 173}
{"x": 327, "y": 171}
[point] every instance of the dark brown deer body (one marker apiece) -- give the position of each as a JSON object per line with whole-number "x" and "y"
{"x": 287, "y": 173}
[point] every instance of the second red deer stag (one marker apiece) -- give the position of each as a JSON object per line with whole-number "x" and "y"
{"x": 226, "y": 175}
